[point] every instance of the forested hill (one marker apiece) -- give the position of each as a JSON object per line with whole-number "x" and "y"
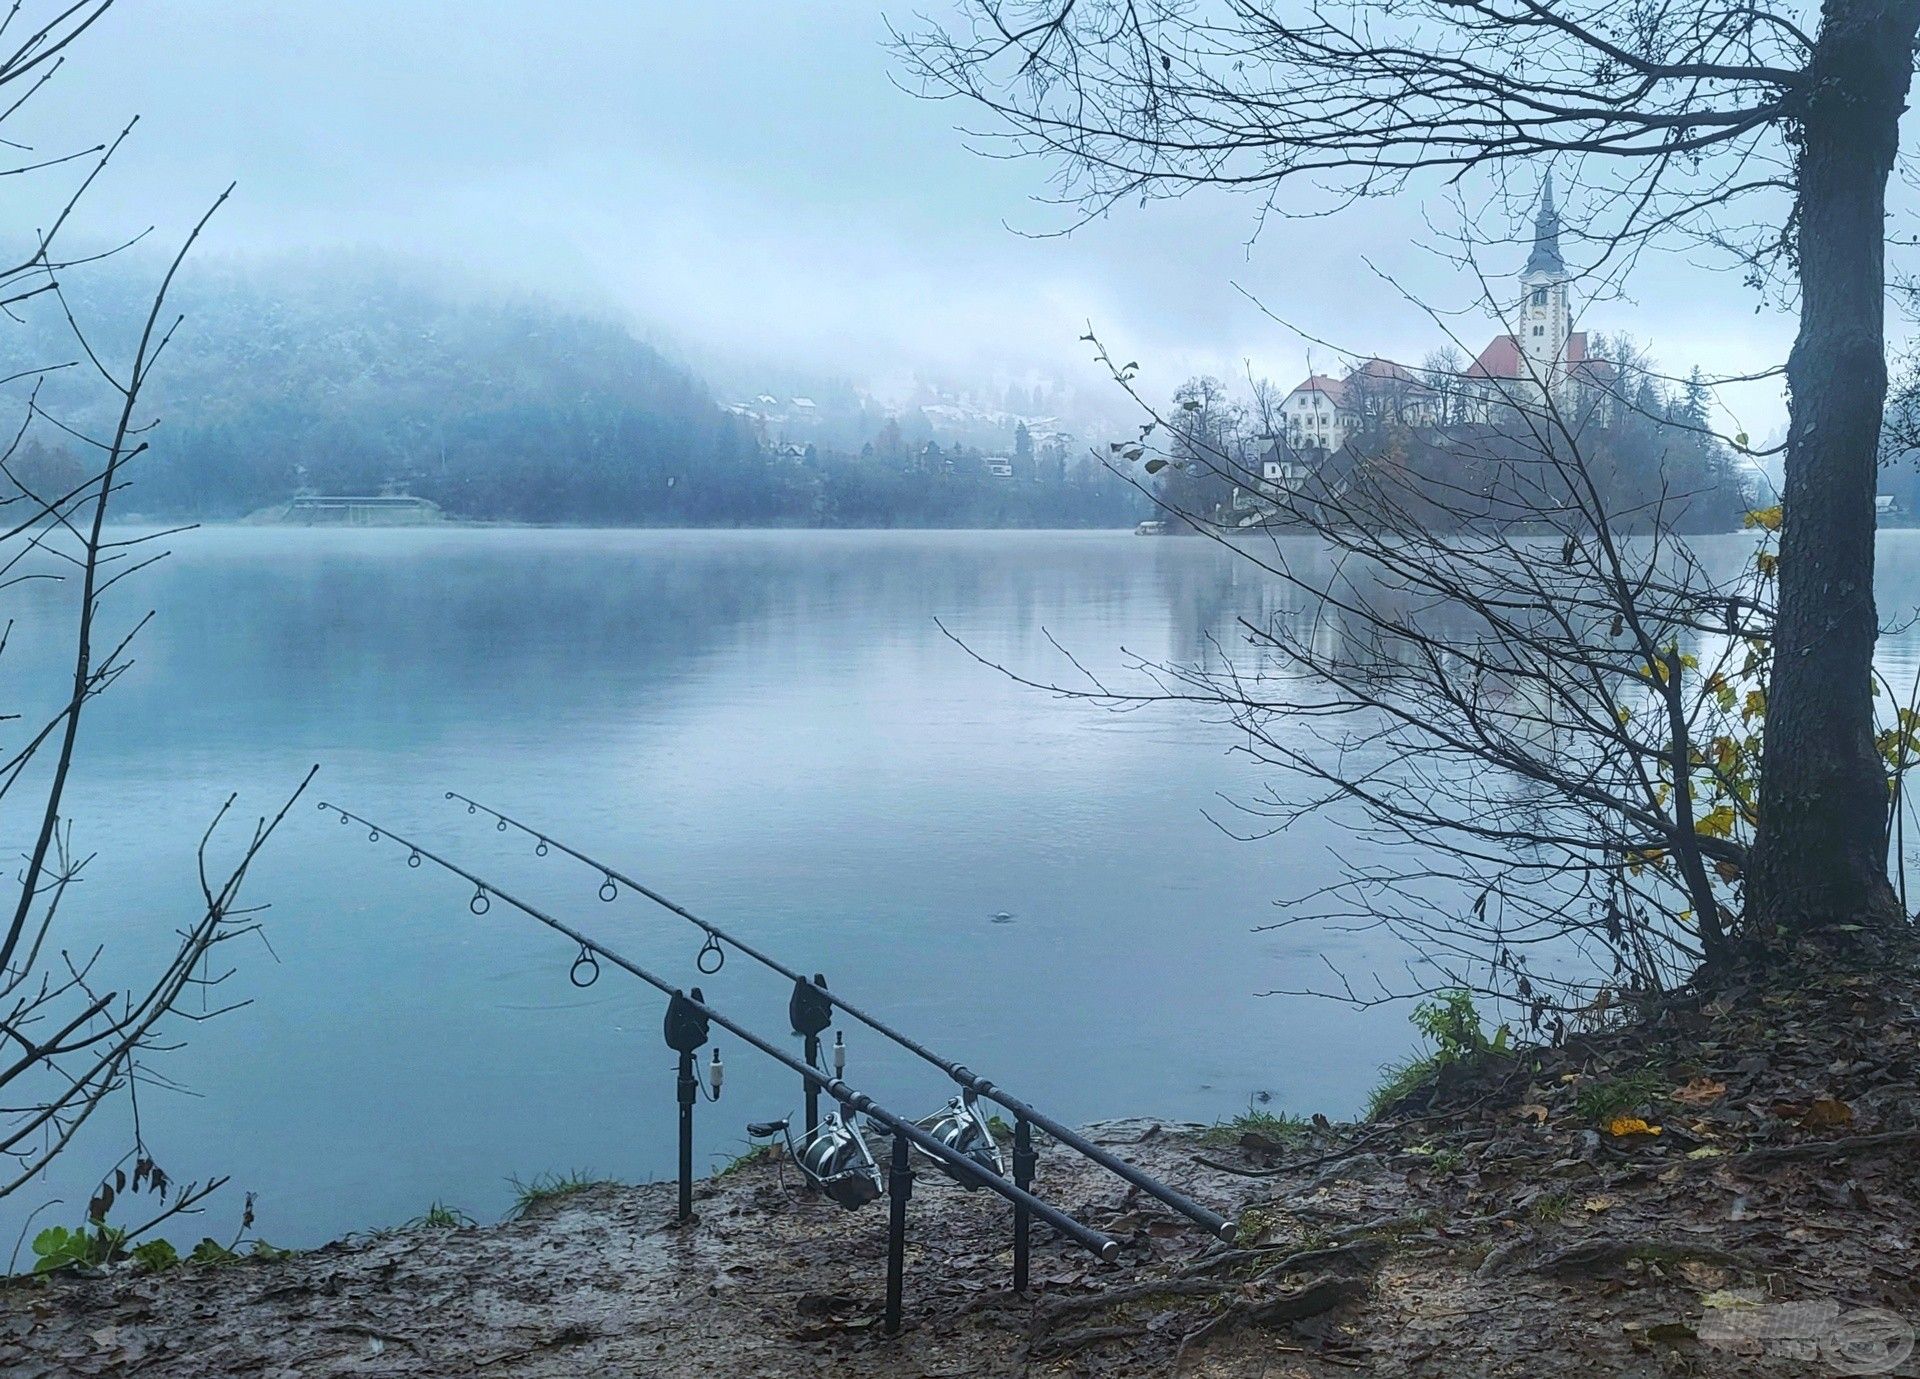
{"x": 353, "y": 378}
{"x": 352, "y": 375}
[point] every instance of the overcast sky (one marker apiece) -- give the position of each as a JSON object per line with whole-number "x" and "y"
{"x": 743, "y": 177}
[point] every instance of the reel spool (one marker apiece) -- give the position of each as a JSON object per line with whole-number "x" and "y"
{"x": 833, "y": 1157}
{"x": 960, "y": 1127}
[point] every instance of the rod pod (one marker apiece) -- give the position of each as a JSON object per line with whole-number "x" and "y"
{"x": 1105, "y": 1247}
{"x": 1219, "y": 1225}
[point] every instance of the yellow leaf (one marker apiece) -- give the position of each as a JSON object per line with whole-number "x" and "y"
{"x": 1533, "y": 1111}
{"x": 1630, "y": 1125}
{"x": 1767, "y": 563}
{"x": 1767, "y": 519}
{"x": 1706, "y": 1151}
{"x": 1600, "y": 1204}
{"x": 1718, "y": 824}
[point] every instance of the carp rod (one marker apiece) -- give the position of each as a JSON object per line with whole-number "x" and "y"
{"x": 1101, "y": 1245}
{"x": 1217, "y": 1224}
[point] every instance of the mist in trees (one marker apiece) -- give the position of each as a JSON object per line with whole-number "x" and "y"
{"x": 351, "y": 376}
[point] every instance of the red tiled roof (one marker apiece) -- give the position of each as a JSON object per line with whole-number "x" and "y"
{"x": 1320, "y": 383}
{"x": 1500, "y": 359}
{"x": 1382, "y": 369}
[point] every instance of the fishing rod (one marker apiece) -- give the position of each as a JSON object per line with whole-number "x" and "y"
{"x": 816, "y": 989}
{"x": 904, "y": 1131}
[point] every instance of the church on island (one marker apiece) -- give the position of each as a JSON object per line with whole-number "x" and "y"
{"x": 1542, "y": 356}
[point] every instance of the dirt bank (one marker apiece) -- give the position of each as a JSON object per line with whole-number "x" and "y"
{"x": 1762, "y": 1222}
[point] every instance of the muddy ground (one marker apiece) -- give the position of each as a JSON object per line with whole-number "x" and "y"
{"x": 1724, "y": 1189}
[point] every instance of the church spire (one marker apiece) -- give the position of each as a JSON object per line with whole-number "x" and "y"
{"x": 1546, "y": 235}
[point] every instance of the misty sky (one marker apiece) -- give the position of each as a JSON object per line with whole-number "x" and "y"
{"x": 743, "y": 180}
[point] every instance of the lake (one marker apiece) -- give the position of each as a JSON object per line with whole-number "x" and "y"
{"x": 770, "y": 727}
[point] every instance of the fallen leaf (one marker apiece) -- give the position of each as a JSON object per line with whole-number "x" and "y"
{"x": 1827, "y": 1112}
{"x": 1630, "y": 1125}
{"x": 1706, "y": 1151}
{"x": 1671, "y": 1331}
{"x": 1533, "y": 1111}
{"x": 1599, "y": 1204}
{"x": 1701, "y": 1091}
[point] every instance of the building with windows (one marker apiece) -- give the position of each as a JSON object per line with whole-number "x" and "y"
{"x": 1542, "y": 352}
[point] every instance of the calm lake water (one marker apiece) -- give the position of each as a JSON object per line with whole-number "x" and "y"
{"x": 771, "y": 728}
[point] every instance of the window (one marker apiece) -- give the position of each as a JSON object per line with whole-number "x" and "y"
{"x": 1539, "y": 330}
{"x": 1539, "y": 296}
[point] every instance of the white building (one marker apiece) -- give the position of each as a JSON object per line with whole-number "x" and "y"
{"x": 1322, "y": 412}
{"x": 1543, "y": 351}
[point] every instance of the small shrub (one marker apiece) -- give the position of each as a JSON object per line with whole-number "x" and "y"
{"x": 1452, "y": 1023}
{"x": 56, "y": 1247}
{"x": 156, "y": 1256}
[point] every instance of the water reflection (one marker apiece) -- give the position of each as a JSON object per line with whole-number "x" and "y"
{"x": 771, "y": 727}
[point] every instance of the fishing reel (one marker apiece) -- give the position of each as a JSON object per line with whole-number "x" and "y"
{"x": 833, "y": 1156}
{"x": 961, "y": 1127}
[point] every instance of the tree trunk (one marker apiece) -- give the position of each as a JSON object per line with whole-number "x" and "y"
{"x": 1820, "y": 855}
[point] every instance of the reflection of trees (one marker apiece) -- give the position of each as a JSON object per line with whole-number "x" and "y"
{"x": 1548, "y": 728}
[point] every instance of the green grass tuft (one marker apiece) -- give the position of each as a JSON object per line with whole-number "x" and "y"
{"x": 1278, "y": 1127}
{"x": 1401, "y": 1079}
{"x": 546, "y": 1187}
{"x": 1604, "y": 1099}
{"x": 439, "y": 1216}
{"x": 1549, "y": 1207}
{"x": 739, "y": 1163}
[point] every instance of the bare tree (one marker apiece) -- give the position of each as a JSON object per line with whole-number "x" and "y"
{"x": 70, "y": 1040}
{"x": 1444, "y": 372}
{"x": 1516, "y": 680}
{"x": 1675, "y": 116}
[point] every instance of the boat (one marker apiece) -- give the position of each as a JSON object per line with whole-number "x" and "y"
{"x": 1151, "y": 527}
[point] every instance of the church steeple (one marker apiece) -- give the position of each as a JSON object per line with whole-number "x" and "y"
{"x": 1545, "y": 322}
{"x": 1545, "y": 259}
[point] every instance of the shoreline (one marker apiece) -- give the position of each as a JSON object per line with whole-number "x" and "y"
{"x": 1487, "y": 1227}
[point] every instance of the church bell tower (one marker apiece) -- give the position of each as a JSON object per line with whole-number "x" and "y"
{"x": 1545, "y": 318}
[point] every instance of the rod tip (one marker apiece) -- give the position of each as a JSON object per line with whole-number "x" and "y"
{"x": 1229, "y": 1231}
{"x": 1109, "y": 1251}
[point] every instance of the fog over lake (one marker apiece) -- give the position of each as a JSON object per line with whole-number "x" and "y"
{"x": 769, "y": 727}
